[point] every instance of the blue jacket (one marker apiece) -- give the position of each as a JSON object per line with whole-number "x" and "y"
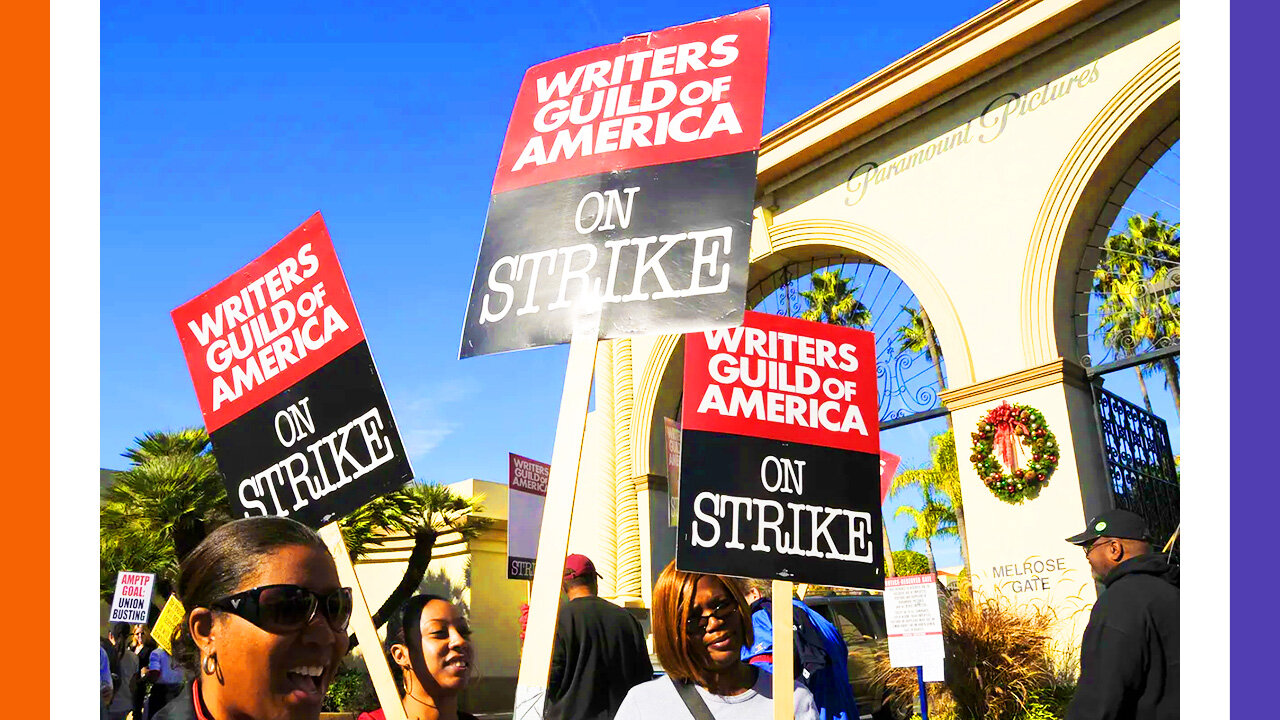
{"x": 820, "y": 650}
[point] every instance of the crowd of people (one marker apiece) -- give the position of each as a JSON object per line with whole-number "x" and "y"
{"x": 265, "y": 632}
{"x": 136, "y": 678}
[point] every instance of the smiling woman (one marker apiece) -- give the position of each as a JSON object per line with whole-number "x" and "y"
{"x": 700, "y": 625}
{"x": 265, "y": 627}
{"x": 429, "y": 645}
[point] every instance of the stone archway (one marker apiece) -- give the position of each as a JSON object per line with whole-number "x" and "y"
{"x": 1072, "y": 215}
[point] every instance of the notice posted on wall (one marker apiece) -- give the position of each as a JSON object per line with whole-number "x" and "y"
{"x": 526, "y": 498}
{"x": 625, "y": 186}
{"x": 913, "y": 620}
{"x": 132, "y": 600}
{"x": 780, "y": 456}
{"x": 300, "y": 424}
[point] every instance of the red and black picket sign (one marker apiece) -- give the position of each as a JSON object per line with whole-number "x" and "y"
{"x": 298, "y": 417}
{"x": 626, "y": 181}
{"x": 780, "y": 464}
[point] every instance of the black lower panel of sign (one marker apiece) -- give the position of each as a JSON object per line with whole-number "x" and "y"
{"x": 754, "y": 507}
{"x": 316, "y": 451}
{"x": 666, "y": 246}
{"x": 519, "y": 568}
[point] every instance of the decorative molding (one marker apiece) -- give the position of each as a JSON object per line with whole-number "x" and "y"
{"x": 628, "y": 574}
{"x": 794, "y": 240}
{"x": 1057, "y": 372}
{"x": 992, "y": 37}
{"x": 646, "y": 402}
{"x": 1059, "y": 212}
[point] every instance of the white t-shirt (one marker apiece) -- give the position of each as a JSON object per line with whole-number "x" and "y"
{"x": 658, "y": 700}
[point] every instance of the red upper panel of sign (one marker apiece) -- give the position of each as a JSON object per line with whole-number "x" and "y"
{"x": 684, "y": 93}
{"x": 787, "y": 379}
{"x": 272, "y": 323}
{"x": 528, "y": 475}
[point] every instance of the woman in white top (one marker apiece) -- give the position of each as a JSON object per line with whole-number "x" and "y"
{"x": 700, "y": 625}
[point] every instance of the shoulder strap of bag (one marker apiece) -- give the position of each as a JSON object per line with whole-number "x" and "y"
{"x": 692, "y": 700}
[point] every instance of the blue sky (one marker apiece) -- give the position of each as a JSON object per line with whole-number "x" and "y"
{"x": 225, "y": 125}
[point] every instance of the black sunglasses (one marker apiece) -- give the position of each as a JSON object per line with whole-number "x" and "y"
{"x": 288, "y": 608}
{"x": 697, "y": 624}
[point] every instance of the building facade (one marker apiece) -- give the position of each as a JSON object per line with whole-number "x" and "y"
{"x": 983, "y": 171}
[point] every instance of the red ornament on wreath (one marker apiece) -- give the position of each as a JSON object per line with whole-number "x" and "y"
{"x": 1009, "y": 432}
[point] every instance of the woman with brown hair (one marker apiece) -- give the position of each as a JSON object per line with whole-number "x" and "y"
{"x": 700, "y": 625}
{"x": 265, "y": 625}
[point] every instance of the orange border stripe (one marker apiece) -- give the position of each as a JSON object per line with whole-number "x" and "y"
{"x": 24, "y": 292}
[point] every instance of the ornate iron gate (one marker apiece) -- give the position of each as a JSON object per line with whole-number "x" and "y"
{"x": 1139, "y": 459}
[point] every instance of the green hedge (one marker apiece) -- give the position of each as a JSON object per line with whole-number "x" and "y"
{"x": 350, "y": 691}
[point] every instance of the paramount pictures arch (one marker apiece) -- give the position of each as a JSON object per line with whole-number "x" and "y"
{"x": 983, "y": 171}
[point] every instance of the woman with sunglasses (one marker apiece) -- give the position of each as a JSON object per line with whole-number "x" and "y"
{"x": 265, "y": 625}
{"x": 429, "y": 647}
{"x": 700, "y": 625}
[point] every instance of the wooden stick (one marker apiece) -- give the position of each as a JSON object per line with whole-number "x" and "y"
{"x": 374, "y": 658}
{"x": 1172, "y": 539}
{"x": 553, "y": 540}
{"x": 783, "y": 652}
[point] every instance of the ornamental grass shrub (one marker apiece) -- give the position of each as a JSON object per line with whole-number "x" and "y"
{"x": 1001, "y": 665}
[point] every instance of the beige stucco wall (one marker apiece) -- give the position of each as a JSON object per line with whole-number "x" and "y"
{"x": 1017, "y": 552}
{"x": 983, "y": 206}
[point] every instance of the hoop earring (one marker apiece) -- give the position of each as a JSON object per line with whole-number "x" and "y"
{"x": 409, "y": 685}
{"x": 210, "y": 663}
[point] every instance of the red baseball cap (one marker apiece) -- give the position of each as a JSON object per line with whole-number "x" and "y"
{"x": 576, "y": 566}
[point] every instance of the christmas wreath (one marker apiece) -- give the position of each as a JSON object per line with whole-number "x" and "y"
{"x": 1000, "y": 432}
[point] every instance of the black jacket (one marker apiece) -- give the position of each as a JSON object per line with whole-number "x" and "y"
{"x": 599, "y": 655}
{"x": 1129, "y": 655}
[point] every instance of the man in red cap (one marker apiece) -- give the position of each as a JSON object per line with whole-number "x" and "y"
{"x": 599, "y": 651}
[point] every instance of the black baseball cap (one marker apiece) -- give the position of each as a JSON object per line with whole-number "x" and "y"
{"x": 1116, "y": 524}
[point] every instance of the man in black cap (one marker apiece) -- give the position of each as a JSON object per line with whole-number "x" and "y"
{"x": 1129, "y": 654}
{"x": 599, "y": 652}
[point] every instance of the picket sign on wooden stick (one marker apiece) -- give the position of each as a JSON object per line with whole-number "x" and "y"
{"x": 784, "y": 652}
{"x": 374, "y": 658}
{"x": 553, "y": 540}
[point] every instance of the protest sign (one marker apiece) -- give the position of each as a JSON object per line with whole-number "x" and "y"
{"x": 780, "y": 459}
{"x": 914, "y": 624}
{"x": 526, "y": 496}
{"x": 291, "y": 398}
{"x": 888, "y": 468}
{"x": 170, "y": 617}
{"x": 671, "y": 429}
{"x": 132, "y": 600}
{"x": 626, "y": 182}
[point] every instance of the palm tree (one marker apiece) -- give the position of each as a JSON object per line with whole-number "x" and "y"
{"x": 933, "y": 518}
{"x": 942, "y": 478}
{"x": 917, "y": 335}
{"x": 170, "y": 497}
{"x": 422, "y": 511}
{"x": 832, "y": 300}
{"x": 1136, "y": 281}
